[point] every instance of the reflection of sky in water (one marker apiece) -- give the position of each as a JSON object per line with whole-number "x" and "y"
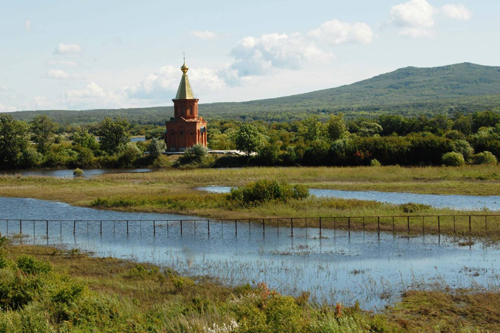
{"x": 335, "y": 268}
{"x": 459, "y": 202}
{"x": 68, "y": 173}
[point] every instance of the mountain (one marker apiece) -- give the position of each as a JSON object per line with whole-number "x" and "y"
{"x": 462, "y": 87}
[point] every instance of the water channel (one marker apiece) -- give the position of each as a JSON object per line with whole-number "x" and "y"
{"x": 68, "y": 173}
{"x": 457, "y": 202}
{"x": 334, "y": 268}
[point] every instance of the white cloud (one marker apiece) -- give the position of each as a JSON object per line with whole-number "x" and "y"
{"x": 6, "y": 108}
{"x": 69, "y": 49}
{"x": 4, "y": 88}
{"x": 91, "y": 90}
{"x": 203, "y": 34}
{"x": 57, "y": 74}
{"x": 457, "y": 12}
{"x": 63, "y": 62}
{"x": 255, "y": 56}
{"x": 40, "y": 103}
{"x": 336, "y": 32}
{"x": 27, "y": 25}
{"x": 163, "y": 84}
{"x": 416, "y": 18}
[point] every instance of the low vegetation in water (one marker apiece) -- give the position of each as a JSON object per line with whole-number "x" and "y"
{"x": 45, "y": 289}
{"x": 265, "y": 190}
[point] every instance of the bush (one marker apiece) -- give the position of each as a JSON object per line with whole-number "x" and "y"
{"x": 30, "y": 265}
{"x": 267, "y": 190}
{"x": 78, "y": 172}
{"x": 375, "y": 163}
{"x": 463, "y": 147}
{"x": 193, "y": 155}
{"x": 485, "y": 158}
{"x": 453, "y": 159}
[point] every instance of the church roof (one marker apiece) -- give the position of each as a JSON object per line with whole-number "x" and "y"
{"x": 184, "y": 91}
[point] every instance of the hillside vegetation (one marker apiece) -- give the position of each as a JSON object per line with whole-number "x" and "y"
{"x": 408, "y": 91}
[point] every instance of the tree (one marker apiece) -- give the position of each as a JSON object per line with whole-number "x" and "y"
{"x": 453, "y": 159}
{"x": 336, "y": 127}
{"x": 194, "y": 154}
{"x": 43, "y": 132}
{"x": 13, "y": 141}
{"x": 155, "y": 148}
{"x": 113, "y": 135}
{"x": 85, "y": 139}
{"x": 313, "y": 127}
{"x": 248, "y": 139}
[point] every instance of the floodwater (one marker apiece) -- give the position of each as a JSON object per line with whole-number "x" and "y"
{"x": 457, "y": 202}
{"x": 68, "y": 173}
{"x": 338, "y": 267}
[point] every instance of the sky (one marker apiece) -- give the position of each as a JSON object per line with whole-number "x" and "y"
{"x": 87, "y": 54}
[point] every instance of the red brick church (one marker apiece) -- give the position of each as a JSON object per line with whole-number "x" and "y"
{"x": 185, "y": 129}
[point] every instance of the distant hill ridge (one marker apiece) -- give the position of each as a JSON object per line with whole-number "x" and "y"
{"x": 466, "y": 87}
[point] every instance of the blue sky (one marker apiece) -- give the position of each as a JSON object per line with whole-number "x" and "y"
{"x": 83, "y": 54}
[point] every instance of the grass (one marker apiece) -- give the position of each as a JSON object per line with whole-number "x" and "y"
{"x": 83, "y": 293}
{"x": 173, "y": 191}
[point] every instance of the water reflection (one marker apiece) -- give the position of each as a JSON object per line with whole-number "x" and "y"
{"x": 457, "y": 202}
{"x": 336, "y": 267}
{"x": 68, "y": 173}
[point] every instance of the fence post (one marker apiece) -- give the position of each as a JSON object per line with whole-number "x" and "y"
{"x": 378, "y": 226}
{"x": 21, "y": 227}
{"x": 236, "y": 227}
{"x": 47, "y": 229}
{"x": 349, "y": 224}
{"x": 393, "y": 226}
{"x": 423, "y": 225}
{"x": 408, "y": 224}
{"x": 439, "y": 225}
{"x": 454, "y": 224}
{"x": 154, "y": 228}
{"x": 291, "y": 226}
{"x": 127, "y": 227}
{"x": 7, "y": 227}
{"x": 264, "y": 227}
{"x": 100, "y": 229}
{"x": 74, "y": 227}
{"x": 208, "y": 224}
{"x": 486, "y": 223}
{"x": 363, "y": 223}
{"x": 470, "y": 224}
{"x": 320, "y": 227}
{"x": 181, "y": 227}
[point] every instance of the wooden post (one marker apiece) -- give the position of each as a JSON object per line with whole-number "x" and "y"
{"x": 319, "y": 228}
{"x": 236, "y": 227}
{"x": 74, "y": 227}
{"x": 47, "y": 228}
{"x": 263, "y": 227}
{"x": 100, "y": 227}
{"x": 21, "y": 227}
{"x": 154, "y": 228}
{"x": 60, "y": 228}
{"x": 34, "y": 231}
{"x": 208, "y": 225}
{"x": 127, "y": 227}
{"x": 363, "y": 224}
{"x": 291, "y": 226}
{"x": 378, "y": 226}
{"x": 408, "y": 224}
{"x": 423, "y": 225}
{"x": 439, "y": 225}
{"x": 454, "y": 224}
{"x": 7, "y": 227}
{"x": 393, "y": 226}
{"x": 349, "y": 224}
{"x": 181, "y": 227}
{"x": 486, "y": 223}
{"x": 470, "y": 224}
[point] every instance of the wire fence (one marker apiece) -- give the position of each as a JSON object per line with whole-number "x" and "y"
{"x": 477, "y": 225}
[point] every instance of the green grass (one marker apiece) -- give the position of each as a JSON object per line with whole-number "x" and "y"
{"x": 75, "y": 292}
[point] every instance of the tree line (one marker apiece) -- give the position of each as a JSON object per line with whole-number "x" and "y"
{"x": 313, "y": 141}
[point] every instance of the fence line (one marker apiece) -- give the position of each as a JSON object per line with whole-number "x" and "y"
{"x": 484, "y": 224}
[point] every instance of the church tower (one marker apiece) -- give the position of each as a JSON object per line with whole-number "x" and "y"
{"x": 185, "y": 129}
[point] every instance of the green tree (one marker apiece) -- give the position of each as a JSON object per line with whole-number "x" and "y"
{"x": 85, "y": 139}
{"x": 113, "y": 135}
{"x": 155, "y": 148}
{"x": 336, "y": 127}
{"x": 248, "y": 139}
{"x": 13, "y": 141}
{"x": 43, "y": 130}
{"x": 313, "y": 126}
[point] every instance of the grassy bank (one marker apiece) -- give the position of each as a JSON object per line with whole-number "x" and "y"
{"x": 173, "y": 191}
{"x": 45, "y": 289}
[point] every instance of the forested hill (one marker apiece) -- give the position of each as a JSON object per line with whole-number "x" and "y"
{"x": 464, "y": 87}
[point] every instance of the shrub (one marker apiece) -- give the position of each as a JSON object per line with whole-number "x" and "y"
{"x": 485, "y": 158}
{"x": 463, "y": 147}
{"x": 193, "y": 155}
{"x": 414, "y": 207}
{"x": 30, "y": 265}
{"x": 267, "y": 190}
{"x": 375, "y": 163}
{"x": 453, "y": 159}
{"x": 78, "y": 172}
